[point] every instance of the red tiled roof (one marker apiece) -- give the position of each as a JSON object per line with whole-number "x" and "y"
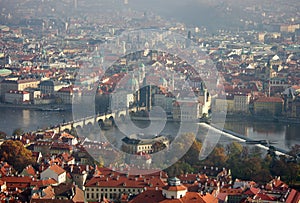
{"x": 155, "y": 196}
{"x": 51, "y": 201}
{"x": 252, "y": 191}
{"x": 263, "y": 196}
{"x": 124, "y": 182}
{"x": 270, "y": 99}
{"x": 30, "y": 170}
{"x": 231, "y": 191}
{"x": 57, "y": 169}
{"x": 175, "y": 188}
{"x": 43, "y": 183}
{"x": 294, "y": 196}
{"x": 222, "y": 196}
{"x": 13, "y": 182}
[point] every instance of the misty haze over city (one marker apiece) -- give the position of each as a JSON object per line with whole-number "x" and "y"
{"x": 149, "y": 101}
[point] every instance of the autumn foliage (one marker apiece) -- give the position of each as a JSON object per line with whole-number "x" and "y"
{"x": 15, "y": 154}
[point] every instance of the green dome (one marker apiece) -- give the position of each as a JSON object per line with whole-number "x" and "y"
{"x": 5, "y": 72}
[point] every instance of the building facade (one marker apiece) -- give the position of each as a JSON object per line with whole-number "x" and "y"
{"x": 268, "y": 106}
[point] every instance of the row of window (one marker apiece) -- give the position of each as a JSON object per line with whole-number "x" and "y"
{"x": 111, "y": 189}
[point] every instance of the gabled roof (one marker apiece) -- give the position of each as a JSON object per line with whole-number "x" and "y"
{"x": 56, "y": 169}
{"x": 294, "y": 196}
{"x": 123, "y": 181}
{"x": 50, "y": 201}
{"x": 29, "y": 170}
{"x": 263, "y": 196}
{"x": 252, "y": 191}
{"x": 63, "y": 188}
{"x": 43, "y": 183}
{"x": 155, "y": 196}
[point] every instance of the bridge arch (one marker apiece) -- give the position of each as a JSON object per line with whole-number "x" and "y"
{"x": 101, "y": 123}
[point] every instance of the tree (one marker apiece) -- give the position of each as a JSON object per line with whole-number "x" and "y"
{"x": 272, "y": 152}
{"x": 217, "y": 157}
{"x": 18, "y": 132}
{"x": 192, "y": 154}
{"x": 295, "y": 151}
{"x": 2, "y": 135}
{"x": 234, "y": 149}
{"x": 73, "y": 132}
{"x": 15, "y": 154}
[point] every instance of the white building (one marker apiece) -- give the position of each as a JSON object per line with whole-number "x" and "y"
{"x": 164, "y": 101}
{"x": 149, "y": 146}
{"x": 68, "y": 94}
{"x": 121, "y": 99}
{"x": 241, "y": 102}
{"x": 174, "y": 189}
{"x": 186, "y": 110}
{"x": 51, "y": 86}
{"x": 17, "y": 97}
{"x": 56, "y": 172}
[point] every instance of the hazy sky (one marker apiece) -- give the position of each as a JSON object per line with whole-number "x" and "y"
{"x": 209, "y": 13}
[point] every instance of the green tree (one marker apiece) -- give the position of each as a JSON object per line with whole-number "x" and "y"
{"x": 192, "y": 154}
{"x": 15, "y": 154}
{"x": 18, "y": 132}
{"x": 295, "y": 151}
{"x": 234, "y": 150}
{"x": 255, "y": 152}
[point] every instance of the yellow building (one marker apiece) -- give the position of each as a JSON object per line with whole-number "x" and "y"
{"x": 19, "y": 85}
{"x": 268, "y": 106}
{"x": 223, "y": 104}
{"x": 111, "y": 185}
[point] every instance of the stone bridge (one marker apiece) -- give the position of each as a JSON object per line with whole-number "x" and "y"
{"x": 102, "y": 120}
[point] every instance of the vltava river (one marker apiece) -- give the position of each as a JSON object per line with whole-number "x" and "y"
{"x": 283, "y": 135}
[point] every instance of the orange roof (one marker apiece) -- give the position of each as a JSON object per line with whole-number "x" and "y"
{"x": 294, "y": 196}
{"x": 209, "y": 198}
{"x": 175, "y": 188}
{"x": 155, "y": 196}
{"x": 231, "y": 191}
{"x": 270, "y": 99}
{"x": 30, "y": 170}
{"x": 124, "y": 182}
{"x": 66, "y": 135}
{"x": 43, "y": 183}
{"x": 57, "y": 169}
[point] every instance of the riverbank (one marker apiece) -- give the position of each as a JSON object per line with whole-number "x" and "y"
{"x": 64, "y": 107}
{"x": 253, "y": 118}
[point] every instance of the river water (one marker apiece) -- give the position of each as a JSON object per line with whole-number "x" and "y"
{"x": 284, "y": 135}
